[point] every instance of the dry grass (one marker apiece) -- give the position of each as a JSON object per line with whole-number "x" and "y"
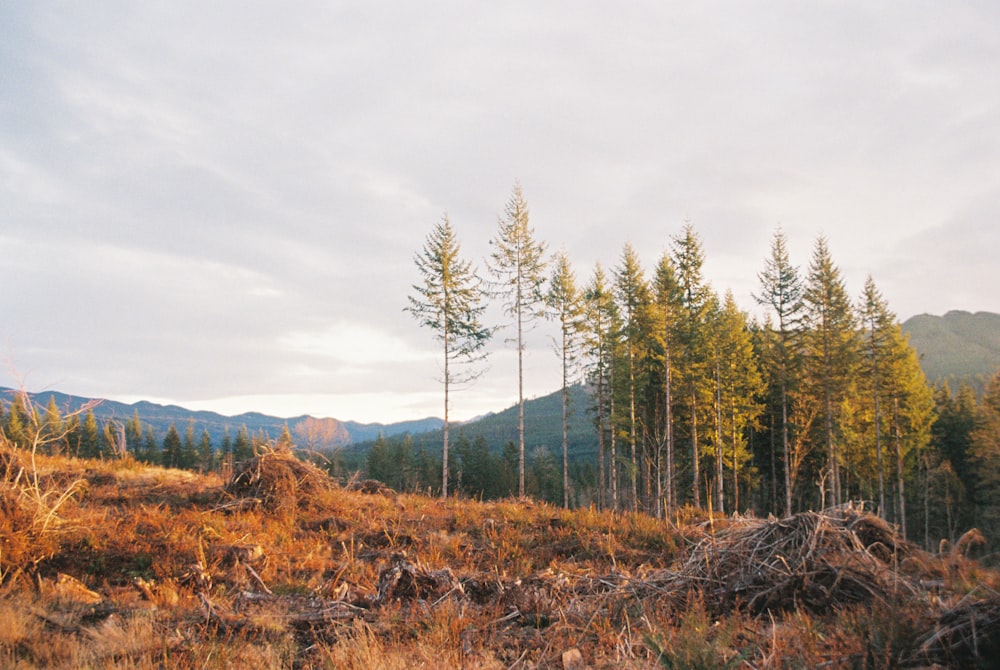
{"x": 116, "y": 565}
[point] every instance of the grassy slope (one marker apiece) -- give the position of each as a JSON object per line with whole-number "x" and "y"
{"x": 120, "y": 565}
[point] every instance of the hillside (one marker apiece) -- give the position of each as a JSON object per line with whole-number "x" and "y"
{"x": 957, "y": 347}
{"x": 309, "y": 432}
{"x": 113, "y": 564}
{"x": 542, "y": 426}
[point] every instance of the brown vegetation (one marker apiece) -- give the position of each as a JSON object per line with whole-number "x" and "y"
{"x": 114, "y": 564}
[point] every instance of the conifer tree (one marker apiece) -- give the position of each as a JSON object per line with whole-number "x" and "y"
{"x": 518, "y": 267}
{"x": 90, "y": 436}
{"x": 53, "y": 427}
{"x": 781, "y": 290}
{"x": 189, "y": 450}
{"x": 696, "y": 297}
{"x": 449, "y": 300}
{"x": 739, "y": 386}
{"x": 831, "y": 356}
{"x": 172, "y": 448}
{"x": 566, "y": 306}
{"x": 668, "y": 309}
{"x": 206, "y": 454}
{"x": 133, "y": 433}
{"x": 600, "y": 335}
{"x": 149, "y": 448}
{"x": 984, "y": 457}
{"x": 242, "y": 446}
{"x": 634, "y": 306}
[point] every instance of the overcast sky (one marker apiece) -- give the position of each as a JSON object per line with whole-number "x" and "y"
{"x": 218, "y": 204}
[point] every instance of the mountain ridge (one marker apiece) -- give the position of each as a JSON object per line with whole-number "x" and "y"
{"x": 318, "y": 433}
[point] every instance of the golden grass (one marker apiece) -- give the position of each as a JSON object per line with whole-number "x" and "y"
{"x": 118, "y": 565}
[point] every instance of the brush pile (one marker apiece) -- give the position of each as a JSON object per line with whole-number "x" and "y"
{"x": 811, "y": 561}
{"x": 279, "y": 480}
{"x": 964, "y": 635}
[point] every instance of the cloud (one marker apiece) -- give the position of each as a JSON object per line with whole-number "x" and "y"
{"x": 223, "y": 201}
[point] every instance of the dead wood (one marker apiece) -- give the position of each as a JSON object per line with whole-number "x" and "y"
{"x": 279, "y": 480}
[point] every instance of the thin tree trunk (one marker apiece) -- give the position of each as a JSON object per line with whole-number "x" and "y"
{"x": 565, "y": 431}
{"x": 899, "y": 469}
{"x": 520, "y": 400}
{"x": 614, "y": 440}
{"x": 694, "y": 448}
{"x": 719, "y": 503}
{"x": 444, "y": 452}
{"x": 671, "y": 494}
{"x": 632, "y": 440}
{"x": 601, "y": 474}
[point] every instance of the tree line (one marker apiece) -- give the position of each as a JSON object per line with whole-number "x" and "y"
{"x": 695, "y": 403}
{"x": 80, "y": 434}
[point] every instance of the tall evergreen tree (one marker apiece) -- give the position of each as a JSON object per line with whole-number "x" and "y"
{"x": 518, "y": 267}
{"x": 739, "y": 386}
{"x": 832, "y": 356}
{"x": 781, "y": 290}
{"x": 566, "y": 306}
{"x": 600, "y": 337}
{"x": 668, "y": 310}
{"x": 449, "y": 300}
{"x": 634, "y": 306}
{"x": 696, "y": 302}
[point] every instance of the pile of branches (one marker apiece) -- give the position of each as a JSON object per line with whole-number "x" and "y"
{"x": 964, "y": 636}
{"x": 279, "y": 480}
{"x": 811, "y": 561}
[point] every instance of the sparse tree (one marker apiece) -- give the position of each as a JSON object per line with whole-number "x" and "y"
{"x": 518, "y": 267}
{"x": 450, "y": 301}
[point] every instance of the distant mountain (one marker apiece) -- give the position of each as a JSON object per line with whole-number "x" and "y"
{"x": 957, "y": 347}
{"x": 307, "y": 431}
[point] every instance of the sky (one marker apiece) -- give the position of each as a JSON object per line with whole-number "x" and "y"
{"x": 218, "y": 204}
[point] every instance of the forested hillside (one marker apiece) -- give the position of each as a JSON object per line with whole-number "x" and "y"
{"x": 959, "y": 347}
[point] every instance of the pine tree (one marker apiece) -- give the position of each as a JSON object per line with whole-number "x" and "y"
{"x": 206, "y": 454}
{"x": 189, "y": 450}
{"x": 696, "y": 302}
{"x": 668, "y": 309}
{"x": 52, "y": 424}
{"x": 634, "y": 306}
{"x": 600, "y": 339}
{"x": 172, "y": 448}
{"x": 518, "y": 266}
{"x": 150, "y": 451}
{"x": 18, "y": 423}
{"x": 133, "y": 433}
{"x": 985, "y": 460}
{"x": 831, "y": 356}
{"x": 90, "y": 437}
{"x": 781, "y": 290}
{"x": 739, "y": 386}
{"x": 566, "y": 306}
{"x": 242, "y": 446}
{"x": 450, "y": 302}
